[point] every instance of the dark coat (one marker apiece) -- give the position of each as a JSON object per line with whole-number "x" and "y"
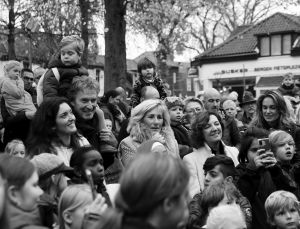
{"x": 48, "y": 210}
{"x": 140, "y": 83}
{"x": 291, "y": 91}
{"x": 53, "y": 88}
{"x": 231, "y": 133}
{"x": 257, "y": 185}
{"x": 182, "y": 137}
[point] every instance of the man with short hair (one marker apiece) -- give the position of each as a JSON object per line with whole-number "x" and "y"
{"x": 212, "y": 100}
{"x": 29, "y": 85}
{"x": 218, "y": 169}
{"x": 83, "y": 96}
{"x": 192, "y": 106}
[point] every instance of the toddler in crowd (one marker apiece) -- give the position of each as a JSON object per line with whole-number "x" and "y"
{"x": 68, "y": 64}
{"x": 12, "y": 88}
{"x": 15, "y": 148}
{"x": 148, "y": 77}
{"x": 108, "y": 124}
{"x": 282, "y": 210}
{"x": 288, "y": 85}
{"x": 175, "y": 106}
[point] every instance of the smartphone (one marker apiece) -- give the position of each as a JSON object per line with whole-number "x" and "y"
{"x": 89, "y": 177}
{"x": 264, "y": 143}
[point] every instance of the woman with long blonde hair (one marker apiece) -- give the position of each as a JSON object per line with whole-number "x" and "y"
{"x": 149, "y": 120}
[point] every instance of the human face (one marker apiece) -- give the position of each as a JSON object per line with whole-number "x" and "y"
{"x": 212, "y": 102}
{"x": 212, "y": 131}
{"x": 116, "y": 100}
{"x": 85, "y": 103}
{"x": 19, "y": 151}
{"x": 77, "y": 215}
{"x": 29, "y": 193}
{"x": 14, "y": 73}
{"x": 230, "y": 109}
{"x": 213, "y": 176}
{"x": 288, "y": 81}
{"x": 94, "y": 162}
{"x": 28, "y": 79}
{"x": 269, "y": 110}
{"x": 108, "y": 124}
{"x": 147, "y": 73}
{"x": 285, "y": 150}
{"x": 253, "y": 152}
{"x": 192, "y": 108}
{"x": 286, "y": 218}
{"x": 176, "y": 113}
{"x": 65, "y": 120}
{"x": 68, "y": 55}
{"x": 153, "y": 120}
{"x": 250, "y": 108}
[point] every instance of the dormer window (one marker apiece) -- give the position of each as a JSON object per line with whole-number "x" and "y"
{"x": 275, "y": 45}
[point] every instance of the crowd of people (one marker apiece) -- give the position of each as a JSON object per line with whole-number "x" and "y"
{"x": 72, "y": 159}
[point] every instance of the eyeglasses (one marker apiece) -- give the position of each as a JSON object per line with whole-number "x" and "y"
{"x": 28, "y": 78}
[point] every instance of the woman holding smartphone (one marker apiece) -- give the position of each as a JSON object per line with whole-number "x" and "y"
{"x": 259, "y": 175}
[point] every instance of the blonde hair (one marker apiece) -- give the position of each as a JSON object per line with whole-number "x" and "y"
{"x": 279, "y": 136}
{"x": 11, "y": 64}
{"x": 12, "y": 145}
{"x": 79, "y": 43}
{"x": 72, "y": 198}
{"x": 280, "y": 200}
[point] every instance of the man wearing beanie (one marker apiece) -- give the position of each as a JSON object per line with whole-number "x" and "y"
{"x": 51, "y": 170}
{"x": 175, "y": 106}
{"x": 147, "y": 77}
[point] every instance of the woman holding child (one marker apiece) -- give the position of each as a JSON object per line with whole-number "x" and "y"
{"x": 149, "y": 120}
{"x": 207, "y": 129}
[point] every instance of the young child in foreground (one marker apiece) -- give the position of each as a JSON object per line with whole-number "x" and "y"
{"x": 282, "y": 210}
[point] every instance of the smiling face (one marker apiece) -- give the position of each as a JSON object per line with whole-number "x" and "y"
{"x": 213, "y": 130}
{"x": 269, "y": 110}
{"x": 153, "y": 120}
{"x": 85, "y": 103}
{"x": 68, "y": 55}
{"x": 65, "y": 120}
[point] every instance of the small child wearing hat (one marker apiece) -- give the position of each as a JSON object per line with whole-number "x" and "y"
{"x": 175, "y": 106}
{"x": 147, "y": 77}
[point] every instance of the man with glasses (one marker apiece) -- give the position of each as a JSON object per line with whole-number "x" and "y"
{"x": 29, "y": 85}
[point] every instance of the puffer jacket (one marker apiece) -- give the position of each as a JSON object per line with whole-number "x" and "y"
{"x": 197, "y": 216}
{"x": 53, "y": 88}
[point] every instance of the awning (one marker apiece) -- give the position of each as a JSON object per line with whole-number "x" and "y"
{"x": 274, "y": 81}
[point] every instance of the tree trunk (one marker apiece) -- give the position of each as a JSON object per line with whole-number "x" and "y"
{"x": 115, "y": 46}
{"x": 84, "y": 7}
{"x": 11, "y": 31}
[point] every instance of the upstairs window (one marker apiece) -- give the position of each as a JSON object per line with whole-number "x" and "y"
{"x": 276, "y": 45}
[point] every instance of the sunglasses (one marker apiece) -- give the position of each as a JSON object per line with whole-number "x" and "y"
{"x": 28, "y": 78}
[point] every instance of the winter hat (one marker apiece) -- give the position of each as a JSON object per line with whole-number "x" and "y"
{"x": 49, "y": 164}
{"x": 144, "y": 63}
{"x": 173, "y": 101}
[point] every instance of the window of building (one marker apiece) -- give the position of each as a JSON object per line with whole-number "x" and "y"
{"x": 274, "y": 45}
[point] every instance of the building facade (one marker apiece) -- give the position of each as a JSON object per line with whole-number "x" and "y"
{"x": 253, "y": 59}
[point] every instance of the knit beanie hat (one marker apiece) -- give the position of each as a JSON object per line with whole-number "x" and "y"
{"x": 144, "y": 63}
{"x": 173, "y": 101}
{"x": 49, "y": 164}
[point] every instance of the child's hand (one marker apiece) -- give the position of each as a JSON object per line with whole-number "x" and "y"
{"x": 98, "y": 206}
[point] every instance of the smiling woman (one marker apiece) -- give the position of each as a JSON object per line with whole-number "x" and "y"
{"x": 53, "y": 130}
{"x": 149, "y": 120}
{"x": 207, "y": 129}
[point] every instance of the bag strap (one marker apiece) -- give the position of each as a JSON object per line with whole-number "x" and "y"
{"x": 56, "y": 73}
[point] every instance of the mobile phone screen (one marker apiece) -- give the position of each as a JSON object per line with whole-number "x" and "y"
{"x": 264, "y": 144}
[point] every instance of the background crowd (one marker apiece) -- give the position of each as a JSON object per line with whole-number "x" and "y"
{"x": 72, "y": 159}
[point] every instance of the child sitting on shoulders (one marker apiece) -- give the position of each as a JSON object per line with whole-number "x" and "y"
{"x": 147, "y": 77}
{"x": 282, "y": 210}
{"x": 12, "y": 88}
{"x": 68, "y": 64}
{"x": 15, "y": 148}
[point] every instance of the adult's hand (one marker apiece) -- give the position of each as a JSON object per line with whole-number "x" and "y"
{"x": 30, "y": 114}
{"x": 108, "y": 137}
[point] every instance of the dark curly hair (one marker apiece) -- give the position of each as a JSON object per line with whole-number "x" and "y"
{"x": 200, "y": 121}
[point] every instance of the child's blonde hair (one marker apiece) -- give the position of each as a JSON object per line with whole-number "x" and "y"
{"x": 288, "y": 75}
{"x": 12, "y": 145}
{"x": 279, "y": 136}
{"x": 11, "y": 64}
{"x": 280, "y": 200}
{"x": 79, "y": 43}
